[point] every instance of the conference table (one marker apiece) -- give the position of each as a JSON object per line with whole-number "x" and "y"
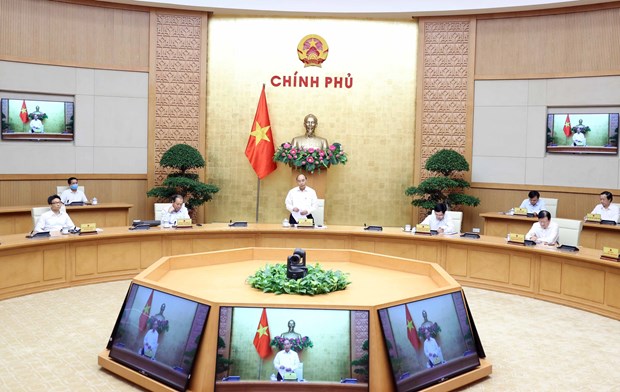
{"x": 18, "y": 219}
{"x": 579, "y": 279}
{"x": 593, "y": 235}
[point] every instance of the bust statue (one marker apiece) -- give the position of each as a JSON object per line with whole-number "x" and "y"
{"x": 291, "y": 331}
{"x": 310, "y": 140}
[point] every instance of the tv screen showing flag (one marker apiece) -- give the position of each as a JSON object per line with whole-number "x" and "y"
{"x": 37, "y": 119}
{"x": 582, "y": 131}
{"x": 312, "y": 345}
{"x": 158, "y": 335}
{"x": 429, "y": 341}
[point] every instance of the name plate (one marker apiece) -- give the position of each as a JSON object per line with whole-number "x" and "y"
{"x": 422, "y": 229}
{"x": 184, "y": 223}
{"x": 593, "y": 217}
{"x": 610, "y": 253}
{"x": 305, "y": 223}
{"x": 516, "y": 238}
{"x": 520, "y": 211}
{"x": 88, "y": 228}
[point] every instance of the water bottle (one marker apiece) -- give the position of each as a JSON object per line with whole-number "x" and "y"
{"x": 94, "y": 201}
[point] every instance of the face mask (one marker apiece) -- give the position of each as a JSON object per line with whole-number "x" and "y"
{"x": 74, "y": 187}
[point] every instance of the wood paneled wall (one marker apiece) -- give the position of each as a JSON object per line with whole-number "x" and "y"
{"x": 573, "y": 203}
{"x": 33, "y": 190}
{"x": 584, "y": 43}
{"x": 58, "y": 33}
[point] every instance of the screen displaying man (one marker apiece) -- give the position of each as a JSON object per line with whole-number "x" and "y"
{"x": 439, "y": 221}
{"x": 606, "y": 209}
{"x": 301, "y": 201}
{"x": 544, "y": 231}
{"x": 55, "y": 219}
{"x": 286, "y": 361}
{"x": 73, "y": 194}
{"x": 176, "y": 211}
{"x": 533, "y": 203}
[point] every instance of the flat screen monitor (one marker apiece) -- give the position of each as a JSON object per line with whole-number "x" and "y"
{"x": 37, "y": 119}
{"x": 158, "y": 335}
{"x": 429, "y": 341}
{"x": 329, "y": 345}
{"x": 582, "y": 131}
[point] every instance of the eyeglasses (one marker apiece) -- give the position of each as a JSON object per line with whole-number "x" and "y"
{"x": 56, "y": 202}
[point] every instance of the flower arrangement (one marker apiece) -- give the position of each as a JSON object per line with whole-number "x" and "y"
{"x": 162, "y": 327}
{"x": 297, "y": 344}
{"x": 310, "y": 159}
{"x": 434, "y": 328}
{"x": 273, "y": 279}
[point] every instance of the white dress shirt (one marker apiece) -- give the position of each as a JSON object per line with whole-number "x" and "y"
{"x": 533, "y": 209}
{"x": 549, "y": 235}
{"x": 173, "y": 216}
{"x": 446, "y": 223}
{"x": 290, "y": 360}
{"x": 611, "y": 213}
{"x": 68, "y": 196}
{"x": 50, "y": 221}
{"x": 305, "y": 200}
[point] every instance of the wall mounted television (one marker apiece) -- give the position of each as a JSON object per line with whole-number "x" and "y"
{"x": 37, "y": 119}
{"x": 582, "y": 131}
{"x": 158, "y": 335}
{"x": 332, "y": 345}
{"x": 430, "y": 341}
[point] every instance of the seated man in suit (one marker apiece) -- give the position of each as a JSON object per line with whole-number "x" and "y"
{"x": 73, "y": 194}
{"x": 54, "y": 219}
{"x": 544, "y": 231}
{"x": 533, "y": 204}
{"x": 176, "y": 211}
{"x": 439, "y": 221}
{"x": 607, "y": 210}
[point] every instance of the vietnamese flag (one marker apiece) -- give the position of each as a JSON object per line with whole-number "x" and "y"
{"x": 23, "y": 114}
{"x": 260, "y": 149}
{"x": 262, "y": 339}
{"x": 567, "y": 128}
{"x": 146, "y": 313}
{"x": 412, "y": 334}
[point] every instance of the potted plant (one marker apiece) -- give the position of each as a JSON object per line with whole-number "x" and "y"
{"x": 444, "y": 187}
{"x": 184, "y": 158}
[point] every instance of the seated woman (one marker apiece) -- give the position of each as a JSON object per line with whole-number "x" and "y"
{"x": 55, "y": 219}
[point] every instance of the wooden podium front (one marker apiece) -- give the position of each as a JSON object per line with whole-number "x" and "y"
{"x": 218, "y": 279}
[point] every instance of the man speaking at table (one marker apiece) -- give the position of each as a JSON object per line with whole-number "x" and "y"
{"x": 301, "y": 201}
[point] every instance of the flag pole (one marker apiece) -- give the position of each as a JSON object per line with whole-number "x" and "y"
{"x": 260, "y": 367}
{"x": 257, "y": 198}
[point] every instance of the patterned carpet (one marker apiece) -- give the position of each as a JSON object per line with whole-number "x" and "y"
{"x": 51, "y": 340}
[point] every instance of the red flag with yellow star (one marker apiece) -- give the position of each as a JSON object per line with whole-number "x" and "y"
{"x": 260, "y": 147}
{"x": 23, "y": 113}
{"x": 262, "y": 339}
{"x": 567, "y": 127}
{"x": 412, "y": 333}
{"x": 146, "y": 313}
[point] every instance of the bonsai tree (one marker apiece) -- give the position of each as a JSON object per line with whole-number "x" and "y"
{"x": 443, "y": 188}
{"x": 362, "y": 362}
{"x": 183, "y": 158}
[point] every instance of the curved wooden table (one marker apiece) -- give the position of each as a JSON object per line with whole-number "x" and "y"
{"x": 580, "y": 279}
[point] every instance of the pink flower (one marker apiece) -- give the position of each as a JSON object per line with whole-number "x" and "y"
{"x": 311, "y": 150}
{"x": 289, "y": 156}
{"x": 303, "y": 162}
{"x": 321, "y": 153}
{"x": 283, "y": 154}
{"x": 310, "y": 159}
{"x": 293, "y": 151}
{"x": 286, "y": 145}
{"x": 332, "y": 147}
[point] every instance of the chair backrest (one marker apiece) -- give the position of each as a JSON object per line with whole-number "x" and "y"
{"x": 551, "y": 205}
{"x": 36, "y": 212}
{"x": 570, "y": 230}
{"x": 617, "y": 205}
{"x": 300, "y": 369}
{"x": 319, "y": 213}
{"x": 456, "y": 217}
{"x": 61, "y": 188}
{"x": 159, "y": 208}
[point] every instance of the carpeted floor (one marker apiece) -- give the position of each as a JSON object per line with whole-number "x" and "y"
{"x": 51, "y": 340}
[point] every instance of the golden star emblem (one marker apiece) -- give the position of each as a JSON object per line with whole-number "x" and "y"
{"x": 262, "y": 330}
{"x": 260, "y": 133}
{"x": 409, "y": 325}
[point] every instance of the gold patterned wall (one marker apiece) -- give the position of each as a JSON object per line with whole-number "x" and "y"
{"x": 178, "y": 79}
{"x": 374, "y": 119}
{"x": 445, "y": 85}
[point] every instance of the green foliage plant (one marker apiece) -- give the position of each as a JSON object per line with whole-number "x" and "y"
{"x": 445, "y": 187}
{"x": 183, "y": 159}
{"x": 362, "y": 362}
{"x": 221, "y": 363}
{"x": 272, "y": 279}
